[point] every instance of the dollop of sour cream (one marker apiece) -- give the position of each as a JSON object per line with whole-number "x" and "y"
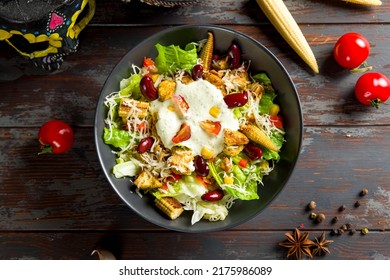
{"x": 200, "y": 96}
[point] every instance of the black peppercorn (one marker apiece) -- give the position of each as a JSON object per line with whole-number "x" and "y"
{"x": 348, "y": 225}
{"x": 357, "y": 203}
{"x": 352, "y": 231}
{"x": 343, "y": 227}
{"x": 333, "y": 232}
{"x": 342, "y": 208}
{"x": 363, "y": 192}
{"x": 320, "y": 218}
{"x": 312, "y": 205}
{"x": 335, "y": 220}
{"x": 340, "y": 231}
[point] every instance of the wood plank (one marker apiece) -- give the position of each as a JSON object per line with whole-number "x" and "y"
{"x": 237, "y": 12}
{"x": 58, "y": 192}
{"x": 167, "y": 245}
{"x": 31, "y": 96}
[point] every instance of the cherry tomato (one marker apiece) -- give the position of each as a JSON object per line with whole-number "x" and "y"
{"x": 372, "y": 88}
{"x": 351, "y": 50}
{"x": 55, "y": 137}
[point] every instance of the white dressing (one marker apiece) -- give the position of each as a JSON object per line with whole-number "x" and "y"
{"x": 200, "y": 96}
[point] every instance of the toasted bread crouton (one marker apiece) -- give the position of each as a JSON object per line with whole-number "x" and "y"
{"x": 166, "y": 89}
{"x": 146, "y": 181}
{"x": 181, "y": 161}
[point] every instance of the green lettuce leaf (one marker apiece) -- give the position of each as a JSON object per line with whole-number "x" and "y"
{"x": 173, "y": 57}
{"x": 130, "y": 86}
{"x": 118, "y": 138}
{"x": 277, "y": 139}
{"x": 125, "y": 169}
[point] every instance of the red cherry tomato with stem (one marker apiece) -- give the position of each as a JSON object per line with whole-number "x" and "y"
{"x": 351, "y": 50}
{"x": 55, "y": 137}
{"x": 372, "y": 88}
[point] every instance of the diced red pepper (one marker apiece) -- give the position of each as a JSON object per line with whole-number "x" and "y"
{"x": 243, "y": 162}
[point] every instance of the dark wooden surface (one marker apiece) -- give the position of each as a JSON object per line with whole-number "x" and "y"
{"x": 62, "y": 207}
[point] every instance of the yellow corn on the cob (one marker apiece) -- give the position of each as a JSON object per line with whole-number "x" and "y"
{"x": 137, "y": 108}
{"x": 281, "y": 18}
{"x": 365, "y": 2}
{"x": 170, "y": 206}
{"x": 258, "y": 136}
{"x": 207, "y": 52}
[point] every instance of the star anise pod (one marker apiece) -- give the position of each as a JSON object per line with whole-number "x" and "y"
{"x": 321, "y": 245}
{"x": 297, "y": 244}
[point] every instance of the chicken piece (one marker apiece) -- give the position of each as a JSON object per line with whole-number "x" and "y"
{"x": 181, "y": 161}
{"x": 240, "y": 79}
{"x": 166, "y": 89}
{"x": 186, "y": 79}
{"x": 257, "y": 89}
{"x": 234, "y": 138}
{"x": 146, "y": 181}
{"x": 232, "y": 151}
{"x": 214, "y": 78}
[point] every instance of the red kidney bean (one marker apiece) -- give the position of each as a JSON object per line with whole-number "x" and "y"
{"x": 234, "y": 56}
{"x": 197, "y": 72}
{"x": 213, "y": 195}
{"x": 252, "y": 151}
{"x": 145, "y": 145}
{"x": 201, "y": 167}
{"x": 147, "y": 88}
{"x": 236, "y": 99}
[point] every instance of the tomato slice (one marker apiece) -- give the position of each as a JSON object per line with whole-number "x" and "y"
{"x": 183, "y": 134}
{"x": 277, "y": 121}
{"x": 211, "y": 127}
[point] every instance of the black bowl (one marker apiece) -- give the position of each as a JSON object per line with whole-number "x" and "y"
{"x": 261, "y": 60}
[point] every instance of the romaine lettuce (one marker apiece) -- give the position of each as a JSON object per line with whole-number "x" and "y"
{"x": 173, "y": 57}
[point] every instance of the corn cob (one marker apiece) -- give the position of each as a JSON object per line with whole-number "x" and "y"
{"x": 365, "y": 2}
{"x": 207, "y": 52}
{"x": 170, "y": 206}
{"x": 138, "y": 108}
{"x": 258, "y": 136}
{"x": 281, "y": 18}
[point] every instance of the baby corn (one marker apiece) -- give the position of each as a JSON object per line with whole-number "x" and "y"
{"x": 258, "y": 136}
{"x": 365, "y": 2}
{"x": 281, "y": 18}
{"x": 170, "y": 206}
{"x": 206, "y": 53}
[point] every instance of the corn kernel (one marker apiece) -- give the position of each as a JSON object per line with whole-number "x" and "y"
{"x": 215, "y": 111}
{"x": 207, "y": 153}
{"x": 264, "y": 165}
{"x": 171, "y": 108}
{"x": 155, "y": 77}
{"x": 228, "y": 180}
{"x": 274, "y": 110}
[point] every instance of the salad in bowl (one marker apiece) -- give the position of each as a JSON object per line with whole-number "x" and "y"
{"x": 198, "y": 128}
{"x": 195, "y": 129}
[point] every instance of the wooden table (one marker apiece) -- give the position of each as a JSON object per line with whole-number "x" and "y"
{"x": 62, "y": 207}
